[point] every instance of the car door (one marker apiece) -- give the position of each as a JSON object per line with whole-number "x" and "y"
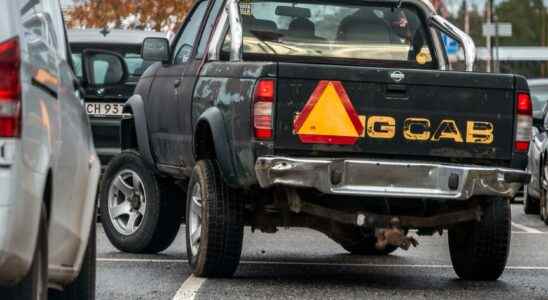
{"x": 71, "y": 160}
{"x": 40, "y": 107}
{"x": 165, "y": 122}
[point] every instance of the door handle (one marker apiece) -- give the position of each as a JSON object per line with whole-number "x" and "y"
{"x": 396, "y": 89}
{"x": 397, "y": 92}
{"x": 177, "y": 83}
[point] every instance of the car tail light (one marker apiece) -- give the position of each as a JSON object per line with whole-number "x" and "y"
{"x": 10, "y": 89}
{"x": 265, "y": 94}
{"x": 524, "y": 122}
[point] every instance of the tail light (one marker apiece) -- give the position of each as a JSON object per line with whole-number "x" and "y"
{"x": 265, "y": 94}
{"x": 10, "y": 89}
{"x": 524, "y": 122}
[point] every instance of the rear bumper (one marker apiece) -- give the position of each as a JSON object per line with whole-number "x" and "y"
{"x": 390, "y": 178}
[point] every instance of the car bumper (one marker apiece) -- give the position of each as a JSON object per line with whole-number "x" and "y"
{"x": 106, "y": 136}
{"x": 19, "y": 217}
{"x": 390, "y": 178}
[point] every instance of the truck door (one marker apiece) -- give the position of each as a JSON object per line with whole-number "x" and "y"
{"x": 190, "y": 77}
{"x": 166, "y": 122}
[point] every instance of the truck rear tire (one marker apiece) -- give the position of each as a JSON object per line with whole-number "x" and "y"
{"x": 359, "y": 242}
{"x": 139, "y": 211}
{"x": 83, "y": 287}
{"x": 35, "y": 284}
{"x": 214, "y": 231}
{"x": 479, "y": 250}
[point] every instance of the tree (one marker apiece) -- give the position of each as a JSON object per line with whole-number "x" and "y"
{"x": 476, "y": 21}
{"x": 129, "y": 14}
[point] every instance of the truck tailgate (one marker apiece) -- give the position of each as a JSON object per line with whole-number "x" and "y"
{"x": 361, "y": 111}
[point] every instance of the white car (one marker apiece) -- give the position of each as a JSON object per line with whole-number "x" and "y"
{"x": 49, "y": 169}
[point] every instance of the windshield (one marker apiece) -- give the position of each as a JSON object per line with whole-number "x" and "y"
{"x": 333, "y": 30}
{"x": 540, "y": 96}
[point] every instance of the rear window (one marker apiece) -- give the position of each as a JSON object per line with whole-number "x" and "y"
{"x": 135, "y": 64}
{"x": 334, "y": 30}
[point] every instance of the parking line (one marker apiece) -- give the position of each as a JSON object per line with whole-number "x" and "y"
{"x": 527, "y": 229}
{"x": 189, "y": 288}
{"x": 303, "y": 263}
{"x": 142, "y": 260}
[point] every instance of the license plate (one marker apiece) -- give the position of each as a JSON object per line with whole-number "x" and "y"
{"x": 104, "y": 109}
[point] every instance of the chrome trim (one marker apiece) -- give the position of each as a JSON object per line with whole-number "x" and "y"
{"x": 389, "y": 178}
{"x": 453, "y": 31}
{"x": 217, "y": 38}
{"x": 236, "y": 32}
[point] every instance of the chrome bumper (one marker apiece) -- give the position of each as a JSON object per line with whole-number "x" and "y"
{"x": 387, "y": 178}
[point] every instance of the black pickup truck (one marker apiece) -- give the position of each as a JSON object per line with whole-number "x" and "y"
{"x": 338, "y": 116}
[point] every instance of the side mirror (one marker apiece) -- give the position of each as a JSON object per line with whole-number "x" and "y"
{"x": 103, "y": 68}
{"x": 156, "y": 49}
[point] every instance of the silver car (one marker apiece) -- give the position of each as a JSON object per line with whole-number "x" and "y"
{"x": 535, "y": 201}
{"x": 49, "y": 169}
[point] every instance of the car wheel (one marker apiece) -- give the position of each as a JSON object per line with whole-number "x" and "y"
{"x": 479, "y": 250}
{"x": 360, "y": 242}
{"x": 140, "y": 212}
{"x": 34, "y": 285}
{"x": 530, "y": 205}
{"x": 83, "y": 287}
{"x": 214, "y": 231}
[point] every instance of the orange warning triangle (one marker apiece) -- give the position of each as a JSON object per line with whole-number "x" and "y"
{"x": 329, "y": 117}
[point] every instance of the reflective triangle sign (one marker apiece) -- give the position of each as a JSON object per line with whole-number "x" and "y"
{"x": 328, "y": 117}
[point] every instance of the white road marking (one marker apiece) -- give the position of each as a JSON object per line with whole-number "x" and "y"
{"x": 142, "y": 260}
{"x": 189, "y": 288}
{"x": 308, "y": 263}
{"x": 527, "y": 229}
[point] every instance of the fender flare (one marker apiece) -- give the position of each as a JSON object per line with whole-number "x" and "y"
{"x": 136, "y": 108}
{"x": 223, "y": 152}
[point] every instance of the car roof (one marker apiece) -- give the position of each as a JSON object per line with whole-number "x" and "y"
{"x": 115, "y": 36}
{"x": 538, "y": 82}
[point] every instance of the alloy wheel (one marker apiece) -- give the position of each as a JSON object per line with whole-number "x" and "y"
{"x": 195, "y": 219}
{"x": 127, "y": 202}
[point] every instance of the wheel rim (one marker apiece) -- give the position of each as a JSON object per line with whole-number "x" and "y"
{"x": 195, "y": 219}
{"x": 127, "y": 202}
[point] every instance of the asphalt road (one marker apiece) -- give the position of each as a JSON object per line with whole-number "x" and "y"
{"x": 303, "y": 264}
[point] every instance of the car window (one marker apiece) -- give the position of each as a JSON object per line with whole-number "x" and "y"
{"x": 77, "y": 63}
{"x": 217, "y": 6}
{"x": 185, "y": 44}
{"x": 101, "y": 69}
{"x": 330, "y": 29}
{"x": 135, "y": 64}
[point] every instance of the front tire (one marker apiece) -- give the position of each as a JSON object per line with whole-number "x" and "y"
{"x": 214, "y": 232}
{"x": 83, "y": 287}
{"x": 479, "y": 250}
{"x": 139, "y": 211}
{"x": 34, "y": 285}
